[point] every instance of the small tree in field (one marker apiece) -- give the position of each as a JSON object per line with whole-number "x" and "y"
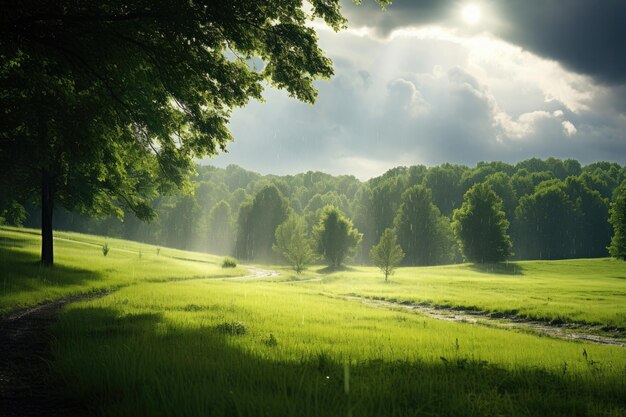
{"x": 480, "y": 226}
{"x": 335, "y": 236}
{"x": 292, "y": 243}
{"x": 387, "y": 254}
{"x": 617, "y": 218}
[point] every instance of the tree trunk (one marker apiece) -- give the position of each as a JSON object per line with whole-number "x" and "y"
{"x": 47, "y": 205}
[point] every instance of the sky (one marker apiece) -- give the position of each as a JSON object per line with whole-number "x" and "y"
{"x": 435, "y": 81}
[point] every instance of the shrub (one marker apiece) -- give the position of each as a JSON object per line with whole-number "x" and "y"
{"x": 235, "y": 328}
{"x": 270, "y": 341}
{"x": 229, "y": 262}
{"x": 105, "y": 249}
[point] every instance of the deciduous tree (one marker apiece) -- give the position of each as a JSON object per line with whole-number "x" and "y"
{"x": 618, "y": 221}
{"x": 424, "y": 234}
{"x": 387, "y": 254}
{"x": 257, "y": 224}
{"x": 335, "y": 236}
{"x": 292, "y": 243}
{"x": 481, "y": 227}
{"x": 220, "y": 229}
{"x": 107, "y": 103}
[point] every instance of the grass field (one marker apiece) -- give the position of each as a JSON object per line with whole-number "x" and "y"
{"x": 581, "y": 290}
{"x": 81, "y": 267}
{"x": 157, "y": 347}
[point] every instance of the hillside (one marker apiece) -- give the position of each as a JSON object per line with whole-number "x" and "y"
{"x": 179, "y": 335}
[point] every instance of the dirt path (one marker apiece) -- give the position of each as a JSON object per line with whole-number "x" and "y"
{"x": 461, "y": 316}
{"x": 27, "y": 387}
{"x": 256, "y": 273}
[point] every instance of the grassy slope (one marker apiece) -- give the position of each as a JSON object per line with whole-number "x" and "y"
{"x": 581, "y": 290}
{"x": 155, "y": 348}
{"x": 81, "y": 267}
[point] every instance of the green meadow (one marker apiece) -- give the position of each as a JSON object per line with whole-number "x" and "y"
{"x": 591, "y": 291}
{"x": 177, "y": 338}
{"x": 82, "y": 268}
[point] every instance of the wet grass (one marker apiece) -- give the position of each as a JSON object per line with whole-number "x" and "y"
{"x": 165, "y": 344}
{"x": 257, "y": 349}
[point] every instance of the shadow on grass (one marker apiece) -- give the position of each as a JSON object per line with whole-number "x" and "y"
{"x": 22, "y": 271}
{"x": 144, "y": 365}
{"x": 11, "y": 243}
{"x": 501, "y": 268}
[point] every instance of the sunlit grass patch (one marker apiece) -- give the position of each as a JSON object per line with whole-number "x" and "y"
{"x": 145, "y": 340}
{"x": 80, "y": 266}
{"x": 578, "y": 290}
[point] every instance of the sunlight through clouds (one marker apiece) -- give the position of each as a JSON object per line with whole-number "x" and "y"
{"x": 430, "y": 94}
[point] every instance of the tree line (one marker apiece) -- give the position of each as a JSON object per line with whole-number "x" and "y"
{"x": 535, "y": 209}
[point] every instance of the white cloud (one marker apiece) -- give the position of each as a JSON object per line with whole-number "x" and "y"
{"x": 569, "y": 128}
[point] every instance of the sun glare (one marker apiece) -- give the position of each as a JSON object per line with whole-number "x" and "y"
{"x": 471, "y": 14}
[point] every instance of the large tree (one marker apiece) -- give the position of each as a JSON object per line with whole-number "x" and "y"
{"x": 335, "y": 236}
{"x": 106, "y": 103}
{"x": 292, "y": 243}
{"x": 562, "y": 219}
{"x": 481, "y": 227}
{"x": 257, "y": 224}
{"x": 220, "y": 230}
{"x": 424, "y": 234}
{"x": 445, "y": 184}
{"x": 592, "y": 231}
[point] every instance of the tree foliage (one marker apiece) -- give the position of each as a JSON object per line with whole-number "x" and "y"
{"x": 481, "y": 227}
{"x": 617, "y": 248}
{"x": 107, "y": 103}
{"x": 424, "y": 234}
{"x": 292, "y": 243}
{"x": 586, "y": 233}
{"x": 220, "y": 236}
{"x": 257, "y": 224}
{"x": 335, "y": 236}
{"x": 387, "y": 254}
{"x": 562, "y": 219}
{"x": 501, "y": 184}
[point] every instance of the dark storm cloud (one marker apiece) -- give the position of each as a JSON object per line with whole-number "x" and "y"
{"x": 586, "y": 36}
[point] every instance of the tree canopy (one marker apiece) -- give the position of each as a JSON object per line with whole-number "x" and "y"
{"x": 219, "y": 229}
{"x": 107, "y": 103}
{"x": 589, "y": 236}
{"x": 423, "y": 233}
{"x": 481, "y": 227}
{"x": 618, "y": 221}
{"x": 335, "y": 236}
{"x": 257, "y": 224}
{"x": 292, "y": 243}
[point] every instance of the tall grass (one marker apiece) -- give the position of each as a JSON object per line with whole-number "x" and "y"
{"x": 160, "y": 349}
{"x": 165, "y": 344}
